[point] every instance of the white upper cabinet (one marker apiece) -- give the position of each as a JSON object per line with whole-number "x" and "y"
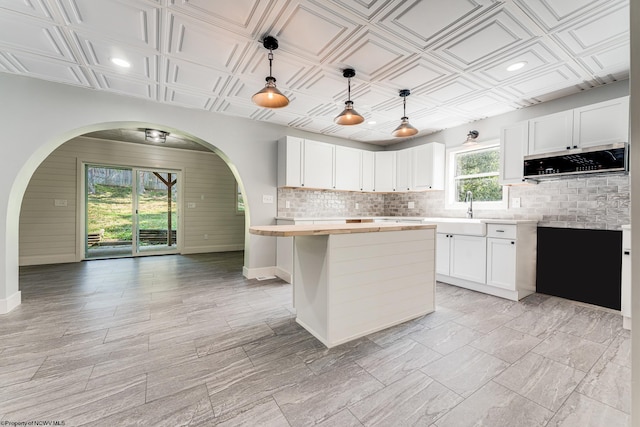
{"x": 513, "y": 146}
{"x": 290, "y": 161}
{"x": 553, "y": 132}
{"x": 596, "y": 124}
{"x": 348, "y": 168}
{"x": 404, "y": 175}
{"x": 385, "y": 171}
{"x": 313, "y": 164}
{"x": 367, "y": 180}
{"x": 428, "y": 166}
{"x": 602, "y": 123}
{"x": 317, "y": 165}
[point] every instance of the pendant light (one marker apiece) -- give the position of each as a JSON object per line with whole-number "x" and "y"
{"x": 270, "y": 96}
{"x": 349, "y": 116}
{"x": 471, "y": 138}
{"x": 405, "y": 128}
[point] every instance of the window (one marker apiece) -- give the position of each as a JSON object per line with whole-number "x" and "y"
{"x": 239, "y": 200}
{"x": 477, "y": 170}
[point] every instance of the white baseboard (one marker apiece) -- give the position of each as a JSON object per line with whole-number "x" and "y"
{"x": 283, "y": 274}
{"x": 47, "y": 259}
{"x": 480, "y": 287}
{"x": 252, "y": 273}
{"x": 6, "y": 305}
{"x": 212, "y": 248}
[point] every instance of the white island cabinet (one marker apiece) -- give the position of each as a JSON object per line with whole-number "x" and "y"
{"x": 351, "y": 280}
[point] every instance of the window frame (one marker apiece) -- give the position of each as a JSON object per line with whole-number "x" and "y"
{"x": 237, "y": 200}
{"x": 450, "y": 185}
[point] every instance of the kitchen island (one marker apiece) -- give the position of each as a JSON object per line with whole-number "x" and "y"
{"x": 354, "y": 279}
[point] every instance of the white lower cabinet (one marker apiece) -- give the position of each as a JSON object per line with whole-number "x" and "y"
{"x": 625, "y": 302}
{"x": 443, "y": 254}
{"x": 502, "y": 263}
{"x": 460, "y": 256}
{"x": 468, "y": 257}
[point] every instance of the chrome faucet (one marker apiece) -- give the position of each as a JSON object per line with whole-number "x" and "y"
{"x": 469, "y": 199}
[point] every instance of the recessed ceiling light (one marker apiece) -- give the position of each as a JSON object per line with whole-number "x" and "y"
{"x": 372, "y": 122}
{"x": 121, "y": 62}
{"x": 516, "y": 66}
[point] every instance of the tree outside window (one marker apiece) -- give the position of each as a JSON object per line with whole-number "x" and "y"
{"x": 239, "y": 200}
{"x": 477, "y": 171}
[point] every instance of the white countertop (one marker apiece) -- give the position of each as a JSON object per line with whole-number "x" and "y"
{"x": 410, "y": 218}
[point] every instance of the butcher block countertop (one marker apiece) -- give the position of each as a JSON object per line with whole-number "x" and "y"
{"x": 324, "y": 229}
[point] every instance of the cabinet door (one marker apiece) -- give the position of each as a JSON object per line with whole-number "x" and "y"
{"x": 368, "y": 167}
{"x": 602, "y": 123}
{"x": 513, "y": 147}
{"x": 385, "y": 171}
{"x": 443, "y": 246}
{"x": 625, "y": 302}
{"x": 501, "y": 263}
{"x": 469, "y": 258}
{"x": 348, "y": 168}
{"x": 290, "y": 162}
{"x": 318, "y": 164}
{"x": 404, "y": 160}
{"x": 551, "y": 133}
{"x": 428, "y": 167}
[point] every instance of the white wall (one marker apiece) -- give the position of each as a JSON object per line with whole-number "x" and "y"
{"x": 635, "y": 212}
{"x": 53, "y": 234}
{"x": 40, "y": 116}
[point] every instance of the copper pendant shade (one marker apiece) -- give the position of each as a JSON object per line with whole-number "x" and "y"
{"x": 404, "y": 129}
{"x": 270, "y": 96}
{"x": 349, "y": 115}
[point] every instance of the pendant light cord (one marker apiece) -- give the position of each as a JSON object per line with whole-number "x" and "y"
{"x": 349, "y": 89}
{"x": 404, "y": 106}
{"x": 270, "y": 56}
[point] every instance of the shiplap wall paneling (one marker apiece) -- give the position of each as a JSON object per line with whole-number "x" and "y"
{"x": 49, "y": 233}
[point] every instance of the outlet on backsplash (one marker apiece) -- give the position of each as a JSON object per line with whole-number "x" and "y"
{"x": 357, "y": 205}
{"x": 411, "y": 205}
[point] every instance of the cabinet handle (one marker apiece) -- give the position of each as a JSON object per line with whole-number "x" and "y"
{"x": 499, "y": 231}
{"x": 575, "y": 146}
{"x": 513, "y": 243}
{"x": 627, "y": 253}
{"x": 568, "y": 148}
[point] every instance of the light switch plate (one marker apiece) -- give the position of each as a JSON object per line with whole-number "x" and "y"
{"x": 191, "y": 205}
{"x": 266, "y": 198}
{"x": 515, "y": 202}
{"x": 60, "y": 202}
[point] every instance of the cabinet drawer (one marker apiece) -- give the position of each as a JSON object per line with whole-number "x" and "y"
{"x": 504, "y": 231}
{"x": 626, "y": 239}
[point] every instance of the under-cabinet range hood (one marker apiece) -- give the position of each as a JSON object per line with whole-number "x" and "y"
{"x": 577, "y": 162}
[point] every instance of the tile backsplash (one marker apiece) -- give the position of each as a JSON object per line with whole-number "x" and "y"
{"x": 597, "y": 202}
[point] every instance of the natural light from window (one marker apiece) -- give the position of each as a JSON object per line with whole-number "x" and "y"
{"x": 475, "y": 169}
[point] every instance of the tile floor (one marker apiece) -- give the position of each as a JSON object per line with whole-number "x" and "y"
{"x": 186, "y": 340}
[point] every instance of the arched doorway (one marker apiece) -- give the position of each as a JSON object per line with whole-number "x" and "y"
{"x": 97, "y": 136}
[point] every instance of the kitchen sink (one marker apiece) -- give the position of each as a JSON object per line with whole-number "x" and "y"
{"x": 468, "y": 226}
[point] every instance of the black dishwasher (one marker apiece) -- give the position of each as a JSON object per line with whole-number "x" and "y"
{"x": 580, "y": 264}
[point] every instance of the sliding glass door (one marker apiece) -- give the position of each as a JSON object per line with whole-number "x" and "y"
{"x": 121, "y": 222}
{"x": 156, "y": 211}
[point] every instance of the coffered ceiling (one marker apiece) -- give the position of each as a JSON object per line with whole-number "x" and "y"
{"x": 207, "y": 54}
